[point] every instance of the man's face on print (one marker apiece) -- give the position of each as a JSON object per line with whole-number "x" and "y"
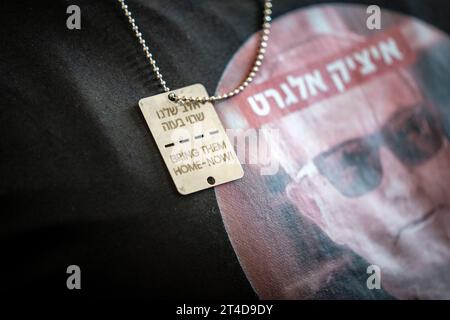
{"x": 376, "y": 179}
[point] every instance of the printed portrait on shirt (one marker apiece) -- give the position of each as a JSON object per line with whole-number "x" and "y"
{"x": 357, "y": 121}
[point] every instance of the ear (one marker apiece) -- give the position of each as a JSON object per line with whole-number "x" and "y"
{"x": 302, "y": 195}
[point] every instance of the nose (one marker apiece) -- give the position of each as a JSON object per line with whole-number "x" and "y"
{"x": 399, "y": 182}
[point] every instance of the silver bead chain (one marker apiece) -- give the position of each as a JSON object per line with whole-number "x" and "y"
{"x": 244, "y": 84}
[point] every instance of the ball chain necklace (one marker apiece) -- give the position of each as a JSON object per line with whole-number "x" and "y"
{"x": 185, "y": 126}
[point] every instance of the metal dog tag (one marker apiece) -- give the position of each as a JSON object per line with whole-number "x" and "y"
{"x": 192, "y": 140}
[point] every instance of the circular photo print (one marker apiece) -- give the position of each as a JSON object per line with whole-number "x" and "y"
{"x": 344, "y": 139}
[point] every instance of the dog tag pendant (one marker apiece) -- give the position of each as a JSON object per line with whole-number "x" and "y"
{"x": 191, "y": 140}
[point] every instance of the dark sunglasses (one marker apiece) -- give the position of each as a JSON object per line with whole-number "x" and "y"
{"x": 354, "y": 167}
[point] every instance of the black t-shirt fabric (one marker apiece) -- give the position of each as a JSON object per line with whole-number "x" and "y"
{"x": 82, "y": 182}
